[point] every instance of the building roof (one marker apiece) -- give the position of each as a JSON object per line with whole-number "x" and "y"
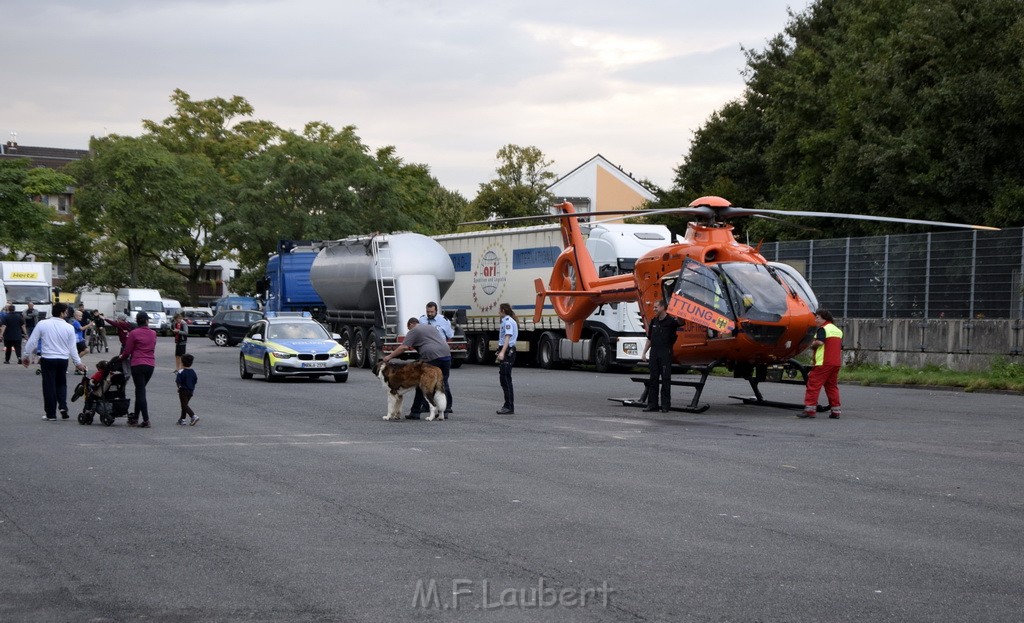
{"x": 49, "y": 157}
{"x": 604, "y": 184}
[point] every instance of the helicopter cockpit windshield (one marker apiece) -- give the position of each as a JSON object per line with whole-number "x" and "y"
{"x": 729, "y": 290}
{"x": 755, "y": 291}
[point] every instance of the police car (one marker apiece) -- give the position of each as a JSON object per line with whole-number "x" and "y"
{"x": 283, "y": 344}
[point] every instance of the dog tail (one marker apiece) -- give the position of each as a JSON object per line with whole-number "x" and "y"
{"x": 440, "y": 398}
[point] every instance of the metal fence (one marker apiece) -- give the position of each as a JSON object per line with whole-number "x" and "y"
{"x": 954, "y": 275}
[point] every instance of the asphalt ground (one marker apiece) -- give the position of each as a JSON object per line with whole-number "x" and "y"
{"x": 294, "y": 501}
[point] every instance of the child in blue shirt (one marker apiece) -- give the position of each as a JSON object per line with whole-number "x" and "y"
{"x": 186, "y": 379}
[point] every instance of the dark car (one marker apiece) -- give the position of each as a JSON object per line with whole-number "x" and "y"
{"x": 198, "y": 320}
{"x": 228, "y": 328}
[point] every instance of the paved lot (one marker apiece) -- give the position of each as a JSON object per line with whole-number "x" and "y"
{"x": 293, "y": 501}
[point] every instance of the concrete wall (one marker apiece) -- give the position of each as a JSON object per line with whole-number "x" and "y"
{"x": 956, "y": 344}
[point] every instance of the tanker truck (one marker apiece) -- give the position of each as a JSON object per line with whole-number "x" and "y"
{"x": 500, "y": 266}
{"x": 371, "y": 285}
{"x": 286, "y": 286}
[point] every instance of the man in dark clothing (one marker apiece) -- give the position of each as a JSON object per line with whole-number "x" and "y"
{"x": 661, "y": 335}
{"x": 12, "y": 329}
{"x": 31, "y": 315}
{"x": 426, "y": 340}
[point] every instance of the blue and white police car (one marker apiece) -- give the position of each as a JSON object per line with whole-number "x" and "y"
{"x": 291, "y": 344}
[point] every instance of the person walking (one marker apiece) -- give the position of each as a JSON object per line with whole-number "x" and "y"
{"x": 186, "y": 379}
{"x": 180, "y": 330}
{"x": 54, "y": 338}
{"x": 12, "y": 330}
{"x": 432, "y": 349}
{"x": 140, "y": 350}
{"x": 661, "y": 336}
{"x": 828, "y": 359}
{"x": 80, "y": 328}
{"x": 507, "y": 336}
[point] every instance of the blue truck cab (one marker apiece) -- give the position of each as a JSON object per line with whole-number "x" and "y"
{"x": 286, "y": 284}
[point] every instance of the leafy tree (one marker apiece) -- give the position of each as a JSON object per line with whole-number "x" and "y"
{"x": 520, "y": 188}
{"x": 213, "y": 137}
{"x": 25, "y": 224}
{"x": 324, "y": 184}
{"x": 909, "y": 108}
{"x": 137, "y": 195}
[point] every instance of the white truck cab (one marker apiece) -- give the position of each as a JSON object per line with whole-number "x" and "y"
{"x": 130, "y": 301}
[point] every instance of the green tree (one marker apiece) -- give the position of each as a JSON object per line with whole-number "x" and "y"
{"x": 135, "y": 194}
{"x": 911, "y": 108}
{"x": 520, "y": 188}
{"x": 25, "y": 225}
{"x": 213, "y": 138}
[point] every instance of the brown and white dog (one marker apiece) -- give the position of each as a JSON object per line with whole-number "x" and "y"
{"x": 400, "y": 378}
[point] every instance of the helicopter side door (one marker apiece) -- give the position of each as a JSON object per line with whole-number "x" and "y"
{"x": 700, "y": 298}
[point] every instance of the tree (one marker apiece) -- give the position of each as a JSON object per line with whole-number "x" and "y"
{"x": 909, "y": 108}
{"x": 136, "y": 195}
{"x": 520, "y": 188}
{"x": 213, "y": 138}
{"x": 324, "y": 184}
{"x": 25, "y": 224}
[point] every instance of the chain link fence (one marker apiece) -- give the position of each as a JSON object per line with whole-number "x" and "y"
{"x": 967, "y": 275}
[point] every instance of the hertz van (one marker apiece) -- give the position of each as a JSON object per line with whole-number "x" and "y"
{"x": 130, "y": 301}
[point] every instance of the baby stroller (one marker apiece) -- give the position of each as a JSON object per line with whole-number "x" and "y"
{"x": 104, "y": 397}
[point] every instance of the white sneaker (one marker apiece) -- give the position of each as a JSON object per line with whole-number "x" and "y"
{"x": 193, "y": 420}
{"x": 181, "y": 422}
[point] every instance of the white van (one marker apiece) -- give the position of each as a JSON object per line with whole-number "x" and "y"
{"x": 130, "y": 301}
{"x": 100, "y": 301}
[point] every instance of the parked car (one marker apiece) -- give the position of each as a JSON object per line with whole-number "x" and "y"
{"x": 198, "y": 320}
{"x": 291, "y": 345}
{"x": 228, "y": 328}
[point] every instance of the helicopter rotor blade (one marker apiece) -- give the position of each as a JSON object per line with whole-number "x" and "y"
{"x": 701, "y": 211}
{"x": 731, "y": 212}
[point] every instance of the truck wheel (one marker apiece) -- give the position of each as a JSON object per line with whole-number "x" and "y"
{"x": 346, "y": 338}
{"x": 358, "y": 352}
{"x": 546, "y": 351}
{"x": 372, "y": 348}
{"x": 245, "y": 374}
{"x": 604, "y": 356}
{"x": 478, "y": 349}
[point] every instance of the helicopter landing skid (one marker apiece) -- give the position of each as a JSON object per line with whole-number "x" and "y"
{"x": 759, "y": 374}
{"x": 695, "y": 405}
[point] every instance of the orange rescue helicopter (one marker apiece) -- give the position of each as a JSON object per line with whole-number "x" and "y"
{"x": 740, "y": 311}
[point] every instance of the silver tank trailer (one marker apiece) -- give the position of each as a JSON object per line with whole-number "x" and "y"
{"x": 344, "y": 274}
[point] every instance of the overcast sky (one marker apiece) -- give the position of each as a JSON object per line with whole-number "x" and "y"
{"x": 447, "y": 82}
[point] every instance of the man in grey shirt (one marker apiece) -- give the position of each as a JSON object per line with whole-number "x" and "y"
{"x": 426, "y": 340}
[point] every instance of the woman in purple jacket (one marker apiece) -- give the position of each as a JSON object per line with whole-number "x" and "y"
{"x": 140, "y": 347}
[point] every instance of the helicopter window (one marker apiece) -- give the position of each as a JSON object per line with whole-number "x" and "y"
{"x": 755, "y": 291}
{"x": 700, "y": 284}
{"x": 623, "y": 266}
{"x": 797, "y": 283}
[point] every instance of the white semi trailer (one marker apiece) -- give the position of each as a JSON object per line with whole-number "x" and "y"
{"x": 371, "y": 285}
{"x": 500, "y": 266}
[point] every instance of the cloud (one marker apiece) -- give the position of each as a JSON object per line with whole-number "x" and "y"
{"x": 446, "y": 82}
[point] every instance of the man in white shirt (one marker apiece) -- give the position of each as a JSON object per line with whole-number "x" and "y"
{"x": 54, "y": 340}
{"x": 434, "y": 319}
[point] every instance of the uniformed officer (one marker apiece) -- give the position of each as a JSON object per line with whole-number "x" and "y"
{"x": 661, "y": 336}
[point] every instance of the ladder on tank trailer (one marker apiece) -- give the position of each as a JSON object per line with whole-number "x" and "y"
{"x": 387, "y": 297}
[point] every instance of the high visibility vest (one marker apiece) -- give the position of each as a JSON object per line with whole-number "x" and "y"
{"x": 831, "y": 353}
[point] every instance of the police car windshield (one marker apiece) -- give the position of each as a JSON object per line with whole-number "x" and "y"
{"x": 754, "y": 290}
{"x": 297, "y": 331}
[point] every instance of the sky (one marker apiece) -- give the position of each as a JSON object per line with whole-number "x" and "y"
{"x": 446, "y": 82}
